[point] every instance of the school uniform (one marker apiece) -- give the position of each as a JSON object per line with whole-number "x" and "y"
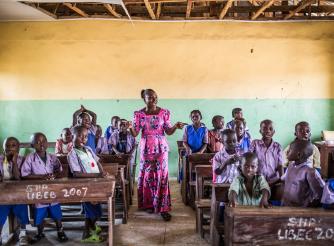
{"x": 270, "y": 158}
{"x": 108, "y": 133}
{"x": 124, "y": 143}
{"x": 102, "y": 146}
{"x": 86, "y": 162}
{"x": 229, "y": 173}
{"x": 245, "y": 199}
{"x": 63, "y": 148}
{"x": 195, "y": 138}
{"x": 327, "y": 198}
{"x": 34, "y": 165}
{"x": 302, "y": 185}
{"x": 244, "y": 144}
{"x": 19, "y": 210}
{"x": 215, "y": 141}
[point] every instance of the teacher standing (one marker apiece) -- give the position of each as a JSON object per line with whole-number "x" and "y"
{"x": 154, "y": 123}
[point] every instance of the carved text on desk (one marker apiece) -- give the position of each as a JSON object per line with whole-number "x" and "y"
{"x": 308, "y": 229}
{"x": 40, "y": 192}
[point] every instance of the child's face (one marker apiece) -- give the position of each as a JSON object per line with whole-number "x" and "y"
{"x": 238, "y": 115}
{"x": 11, "y": 147}
{"x": 85, "y": 121}
{"x": 196, "y": 118}
{"x": 80, "y": 139}
{"x": 123, "y": 126}
{"x": 239, "y": 128}
{"x": 303, "y": 132}
{"x": 114, "y": 122}
{"x": 249, "y": 167}
{"x": 40, "y": 144}
{"x": 230, "y": 141}
{"x": 66, "y": 136}
{"x": 218, "y": 123}
{"x": 98, "y": 133}
{"x": 267, "y": 130}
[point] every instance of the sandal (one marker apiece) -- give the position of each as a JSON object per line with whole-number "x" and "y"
{"x": 62, "y": 236}
{"x": 98, "y": 229}
{"x": 166, "y": 216}
{"x": 93, "y": 238}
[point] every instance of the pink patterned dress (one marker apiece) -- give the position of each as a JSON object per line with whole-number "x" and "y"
{"x": 153, "y": 186}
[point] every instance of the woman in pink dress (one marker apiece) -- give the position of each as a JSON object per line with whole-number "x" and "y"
{"x": 154, "y": 123}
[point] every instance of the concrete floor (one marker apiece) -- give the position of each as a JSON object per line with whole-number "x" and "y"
{"x": 143, "y": 228}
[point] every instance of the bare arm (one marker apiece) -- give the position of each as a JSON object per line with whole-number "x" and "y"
{"x": 203, "y": 149}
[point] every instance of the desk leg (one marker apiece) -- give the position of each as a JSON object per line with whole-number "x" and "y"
{"x": 324, "y": 162}
{"x": 111, "y": 221}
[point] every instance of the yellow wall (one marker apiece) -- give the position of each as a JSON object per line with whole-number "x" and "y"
{"x": 105, "y": 59}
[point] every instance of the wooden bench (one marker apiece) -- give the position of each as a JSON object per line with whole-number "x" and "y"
{"x": 193, "y": 161}
{"x": 278, "y": 226}
{"x": 63, "y": 190}
{"x": 203, "y": 175}
{"x": 326, "y": 159}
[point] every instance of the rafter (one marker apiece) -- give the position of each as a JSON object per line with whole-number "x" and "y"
{"x": 76, "y": 9}
{"x": 37, "y": 6}
{"x": 302, "y": 5}
{"x": 112, "y": 10}
{"x": 158, "y": 11}
{"x": 189, "y": 5}
{"x": 263, "y": 8}
{"x": 225, "y": 9}
{"x": 149, "y": 9}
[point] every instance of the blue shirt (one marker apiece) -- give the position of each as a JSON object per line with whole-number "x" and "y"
{"x": 195, "y": 138}
{"x": 244, "y": 144}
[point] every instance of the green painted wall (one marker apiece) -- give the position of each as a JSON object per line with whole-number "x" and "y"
{"x": 22, "y": 118}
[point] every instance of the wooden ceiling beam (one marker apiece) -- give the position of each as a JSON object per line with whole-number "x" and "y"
{"x": 149, "y": 9}
{"x": 76, "y": 9}
{"x": 262, "y": 9}
{"x": 112, "y": 10}
{"x": 189, "y": 5}
{"x": 158, "y": 11}
{"x": 301, "y": 6}
{"x": 37, "y": 6}
{"x": 225, "y": 9}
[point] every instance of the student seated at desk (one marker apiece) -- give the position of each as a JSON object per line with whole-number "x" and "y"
{"x": 195, "y": 137}
{"x": 303, "y": 132}
{"x": 226, "y": 162}
{"x": 85, "y": 164}
{"x": 42, "y": 165}
{"x": 269, "y": 153}
{"x": 113, "y": 127}
{"x": 243, "y": 137}
{"x": 64, "y": 144}
{"x": 303, "y": 185}
{"x": 100, "y": 142}
{"x": 249, "y": 188}
{"x": 10, "y": 165}
{"x": 215, "y": 142}
{"x": 86, "y": 118}
{"x": 123, "y": 142}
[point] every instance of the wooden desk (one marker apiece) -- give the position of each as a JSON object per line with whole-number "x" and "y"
{"x": 219, "y": 194}
{"x": 61, "y": 190}
{"x": 326, "y": 151}
{"x": 278, "y": 226}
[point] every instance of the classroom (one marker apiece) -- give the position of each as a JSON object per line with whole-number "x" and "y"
{"x": 167, "y": 122}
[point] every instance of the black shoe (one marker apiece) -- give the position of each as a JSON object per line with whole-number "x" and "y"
{"x": 62, "y": 236}
{"x": 166, "y": 216}
{"x": 38, "y": 237}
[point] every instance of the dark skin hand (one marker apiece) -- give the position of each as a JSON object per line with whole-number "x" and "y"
{"x": 81, "y": 110}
